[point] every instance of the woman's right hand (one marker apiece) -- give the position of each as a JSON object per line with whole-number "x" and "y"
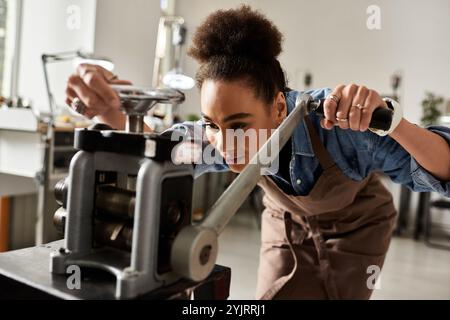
{"x": 91, "y": 84}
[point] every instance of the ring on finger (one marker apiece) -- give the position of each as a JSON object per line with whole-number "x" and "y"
{"x": 359, "y": 106}
{"x": 78, "y": 106}
{"x": 334, "y": 98}
{"x": 113, "y": 77}
{"x": 342, "y": 119}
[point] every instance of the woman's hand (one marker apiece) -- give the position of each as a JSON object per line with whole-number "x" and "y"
{"x": 91, "y": 84}
{"x": 351, "y": 106}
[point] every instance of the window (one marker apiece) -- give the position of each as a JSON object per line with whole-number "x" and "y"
{"x": 3, "y": 18}
{"x": 9, "y": 39}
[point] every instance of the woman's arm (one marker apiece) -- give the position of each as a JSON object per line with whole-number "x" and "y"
{"x": 429, "y": 149}
{"x": 114, "y": 118}
{"x": 419, "y": 157}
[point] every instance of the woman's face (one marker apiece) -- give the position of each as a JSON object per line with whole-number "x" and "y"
{"x": 228, "y": 106}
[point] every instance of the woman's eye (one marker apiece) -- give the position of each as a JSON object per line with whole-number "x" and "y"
{"x": 239, "y": 125}
{"x": 210, "y": 126}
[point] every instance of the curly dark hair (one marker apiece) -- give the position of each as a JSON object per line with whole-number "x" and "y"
{"x": 240, "y": 44}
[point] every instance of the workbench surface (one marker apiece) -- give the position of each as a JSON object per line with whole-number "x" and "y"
{"x": 24, "y": 274}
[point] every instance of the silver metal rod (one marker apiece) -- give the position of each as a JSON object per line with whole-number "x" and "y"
{"x": 134, "y": 123}
{"x": 230, "y": 201}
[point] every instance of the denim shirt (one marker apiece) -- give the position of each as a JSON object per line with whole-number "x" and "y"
{"x": 356, "y": 153}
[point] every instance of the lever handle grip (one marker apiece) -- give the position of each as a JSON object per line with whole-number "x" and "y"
{"x": 381, "y": 117}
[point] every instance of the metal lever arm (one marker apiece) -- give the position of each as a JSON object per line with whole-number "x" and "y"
{"x": 194, "y": 250}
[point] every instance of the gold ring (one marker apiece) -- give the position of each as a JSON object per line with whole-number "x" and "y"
{"x": 114, "y": 77}
{"x": 334, "y": 98}
{"x": 342, "y": 119}
{"x": 359, "y": 106}
{"x": 78, "y": 106}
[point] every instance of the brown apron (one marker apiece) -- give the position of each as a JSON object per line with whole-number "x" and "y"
{"x": 322, "y": 246}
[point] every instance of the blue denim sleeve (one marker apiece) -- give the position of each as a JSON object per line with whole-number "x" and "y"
{"x": 391, "y": 158}
{"x": 321, "y": 93}
{"x": 191, "y": 129}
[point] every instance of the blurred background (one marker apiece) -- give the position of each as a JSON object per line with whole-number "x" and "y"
{"x": 399, "y": 48}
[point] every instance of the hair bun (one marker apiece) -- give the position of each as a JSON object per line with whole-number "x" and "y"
{"x": 237, "y": 32}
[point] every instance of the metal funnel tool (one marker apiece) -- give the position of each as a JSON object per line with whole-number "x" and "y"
{"x": 136, "y": 101}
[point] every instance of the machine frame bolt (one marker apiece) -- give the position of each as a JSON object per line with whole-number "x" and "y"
{"x": 205, "y": 254}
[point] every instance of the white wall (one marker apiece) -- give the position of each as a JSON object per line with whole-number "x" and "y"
{"x": 45, "y": 30}
{"x": 126, "y": 32}
{"x": 327, "y": 38}
{"x": 331, "y": 40}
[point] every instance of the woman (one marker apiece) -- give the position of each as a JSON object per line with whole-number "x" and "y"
{"x": 328, "y": 220}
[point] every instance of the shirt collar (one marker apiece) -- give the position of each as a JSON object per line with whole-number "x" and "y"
{"x": 301, "y": 141}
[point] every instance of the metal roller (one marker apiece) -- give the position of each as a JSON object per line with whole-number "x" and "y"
{"x": 61, "y": 192}
{"x": 59, "y": 219}
{"x": 116, "y": 201}
{"x": 113, "y": 234}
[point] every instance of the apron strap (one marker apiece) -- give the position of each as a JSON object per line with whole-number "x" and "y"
{"x": 323, "y": 258}
{"x": 326, "y": 161}
{"x": 280, "y": 282}
{"x": 322, "y": 154}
